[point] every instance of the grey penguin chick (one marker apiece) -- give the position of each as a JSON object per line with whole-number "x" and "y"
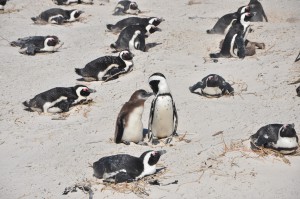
{"x": 280, "y": 137}
{"x": 256, "y": 7}
{"x": 120, "y": 25}
{"x": 163, "y": 118}
{"x": 213, "y": 86}
{"x": 59, "y": 99}
{"x": 126, "y": 168}
{"x": 35, "y": 44}
{"x": 57, "y": 16}
{"x": 68, "y": 2}
{"x": 107, "y": 67}
{"x": 126, "y": 7}
{"x": 129, "y": 126}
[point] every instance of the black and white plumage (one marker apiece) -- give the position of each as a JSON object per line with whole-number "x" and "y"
{"x": 68, "y": 2}
{"x": 2, "y": 4}
{"x": 120, "y": 25}
{"x": 126, "y": 168}
{"x": 35, "y": 44}
{"x": 213, "y": 86}
{"x": 298, "y": 91}
{"x": 280, "y": 137}
{"x": 107, "y": 67}
{"x": 126, "y": 7}
{"x": 129, "y": 125}
{"x": 133, "y": 37}
{"x": 57, "y": 16}
{"x": 257, "y": 9}
{"x": 58, "y": 99}
{"x": 163, "y": 118}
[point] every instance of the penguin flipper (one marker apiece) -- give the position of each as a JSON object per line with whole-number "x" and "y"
{"x": 150, "y": 136}
{"x": 239, "y": 40}
{"x": 119, "y": 178}
{"x": 176, "y": 120}
{"x": 119, "y": 128}
{"x": 215, "y": 55}
{"x": 196, "y": 86}
{"x": 226, "y": 88}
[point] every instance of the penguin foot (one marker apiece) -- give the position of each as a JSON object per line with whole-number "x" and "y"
{"x": 142, "y": 143}
{"x": 169, "y": 140}
{"x": 126, "y": 142}
{"x": 155, "y": 141}
{"x": 175, "y": 134}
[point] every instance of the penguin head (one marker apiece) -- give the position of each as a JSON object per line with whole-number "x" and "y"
{"x": 158, "y": 83}
{"x": 244, "y": 9}
{"x": 212, "y": 81}
{"x": 150, "y": 158}
{"x": 287, "y": 130}
{"x": 83, "y": 91}
{"x": 74, "y": 14}
{"x": 155, "y": 21}
{"x": 126, "y": 55}
{"x": 151, "y": 29}
{"x": 52, "y": 40}
{"x": 140, "y": 95}
{"x": 133, "y": 6}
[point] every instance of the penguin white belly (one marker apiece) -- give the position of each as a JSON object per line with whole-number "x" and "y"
{"x": 212, "y": 91}
{"x": 163, "y": 122}
{"x": 52, "y": 17}
{"x": 286, "y": 142}
{"x": 133, "y": 131}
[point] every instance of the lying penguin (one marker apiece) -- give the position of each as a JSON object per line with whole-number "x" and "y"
{"x": 57, "y": 16}
{"x": 257, "y": 8}
{"x": 280, "y": 137}
{"x": 126, "y": 168}
{"x": 68, "y": 2}
{"x": 129, "y": 125}
{"x": 2, "y": 4}
{"x": 59, "y": 99}
{"x": 107, "y": 67}
{"x": 213, "y": 86}
{"x": 120, "y": 25}
{"x": 126, "y": 7}
{"x": 35, "y": 44}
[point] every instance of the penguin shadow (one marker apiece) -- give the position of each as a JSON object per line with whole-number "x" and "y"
{"x": 151, "y": 45}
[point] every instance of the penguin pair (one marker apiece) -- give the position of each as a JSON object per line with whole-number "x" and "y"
{"x": 279, "y": 137}
{"x": 213, "y": 86}
{"x": 126, "y": 7}
{"x": 2, "y": 4}
{"x": 126, "y": 168}
{"x": 68, "y": 2}
{"x": 57, "y": 16}
{"x": 107, "y": 68}
{"x": 35, "y": 44}
{"x": 120, "y": 25}
{"x": 59, "y": 99}
{"x": 133, "y": 37}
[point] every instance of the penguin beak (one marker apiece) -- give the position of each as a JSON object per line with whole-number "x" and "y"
{"x": 80, "y": 12}
{"x": 161, "y": 152}
{"x": 157, "y": 29}
{"x": 162, "y": 19}
{"x": 92, "y": 90}
{"x": 149, "y": 94}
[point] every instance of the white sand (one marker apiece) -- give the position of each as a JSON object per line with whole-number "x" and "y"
{"x": 40, "y": 156}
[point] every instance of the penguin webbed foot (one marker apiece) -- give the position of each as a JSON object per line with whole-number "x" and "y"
{"x": 155, "y": 141}
{"x": 125, "y": 142}
{"x": 168, "y": 140}
{"x": 142, "y": 143}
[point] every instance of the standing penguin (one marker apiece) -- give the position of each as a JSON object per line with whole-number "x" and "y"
{"x": 257, "y": 8}
{"x": 2, "y": 4}
{"x": 107, "y": 67}
{"x": 280, "y": 137}
{"x": 126, "y": 168}
{"x": 57, "y": 16}
{"x": 163, "y": 119}
{"x": 129, "y": 126}
{"x": 68, "y": 2}
{"x": 126, "y": 7}
{"x": 58, "y": 99}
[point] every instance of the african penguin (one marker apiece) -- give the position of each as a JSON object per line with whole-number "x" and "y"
{"x": 225, "y": 22}
{"x": 126, "y": 7}
{"x": 129, "y": 126}
{"x": 163, "y": 119}
{"x": 58, "y": 99}
{"x": 280, "y": 137}
{"x": 2, "y": 4}
{"x": 257, "y": 8}
{"x": 57, "y": 16}
{"x": 120, "y": 25}
{"x": 68, "y": 2}
{"x": 126, "y": 168}
{"x": 133, "y": 37}
{"x": 34, "y": 44}
{"x": 107, "y": 67}
{"x": 213, "y": 86}
{"x": 298, "y": 91}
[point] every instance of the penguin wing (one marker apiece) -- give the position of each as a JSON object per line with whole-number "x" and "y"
{"x": 120, "y": 127}
{"x": 151, "y": 118}
{"x": 239, "y": 41}
{"x": 176, "y": 118}
{"x": 226, "y": 88}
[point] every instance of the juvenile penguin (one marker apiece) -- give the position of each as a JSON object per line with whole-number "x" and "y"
{"x": 68, "y": 2}
{"x": 58, "y": 99}
{"x": 298, "y": 91}
{"x": 257, "y": 8}
{"x": 129, "y": 126}
{"x": 126, "y": 7}
{"x": 280, "y": 137}
{"x": 35, "y": 44}
{"x": 2, "y": 4}
{"x": 213, "y": 86}
{"x": 133, "y": 37}
{"x": 126, "y": 168}
{"x": 163, "y": 119}
{"x": 225, "y": 22}
{"x": 120, "y": 25}
{"x": 107, "y": 67}
{"x": 57, "y": 16}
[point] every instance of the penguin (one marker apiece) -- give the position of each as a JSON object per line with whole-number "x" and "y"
{"x": 163, "y": 118}
{"x": 57, "y": 16}
{"x": 280, "y": 137}
{"x": 133, "y": 37}
{"x": 107, "y": 67}
{"x": 298, "y": 91}
{"x": 120, "y": 25}
{"x": 126, "y": 168}
{"x": 257, "y": 8}
{"x": 68, "y": 2}
{"x": 129, "y": 126}
{"x": 59, "y": 99}
{"x": 35, "y": 44}
{"x": 126, "y": 7}
{"x": 2, "y": 4}
{"x": 225, "y": 22}
{"x": 213, "y": 86}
